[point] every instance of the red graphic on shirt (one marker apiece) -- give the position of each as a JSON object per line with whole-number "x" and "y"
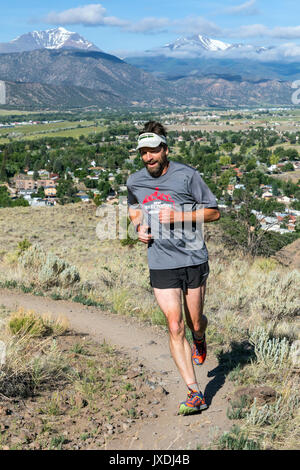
{"x": 158, "y": 196}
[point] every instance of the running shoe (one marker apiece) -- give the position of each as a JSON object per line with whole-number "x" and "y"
{"x": 199, "y": 350}
{"x": 195, "y": 402}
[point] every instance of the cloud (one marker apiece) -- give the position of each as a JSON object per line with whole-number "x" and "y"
{"x": 262, "y": 31}
{"x": 149, "y": 25}
{"x": 247, "y": 8}
{"x": 88, "y": 15}
{"x": 287, "y": 32}
{"x": 96, "y": 15}
{"x": 196, "y": 25}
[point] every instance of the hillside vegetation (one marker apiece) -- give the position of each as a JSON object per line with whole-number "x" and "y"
{"x": 252, "y": 305}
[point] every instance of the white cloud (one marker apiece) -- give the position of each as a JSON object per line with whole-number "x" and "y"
{"x": 88, "y": 15}
{"x": 262, "y": 31}
{"x": 96, "y": 15}
{"x": 247, "y": 8}
{"x": 248, "y": 31}
{"x": 289, "y": 32}
{"x": 149, "y": 25}
{"x": 196, "y": 25}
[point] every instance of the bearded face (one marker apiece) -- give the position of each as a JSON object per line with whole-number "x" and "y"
{"x": 155, "y": 160}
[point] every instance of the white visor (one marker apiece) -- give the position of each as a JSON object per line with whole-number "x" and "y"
{"x": 149, "y": 139}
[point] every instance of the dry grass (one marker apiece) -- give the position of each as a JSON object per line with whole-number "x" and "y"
{"x": 242, "y": 294}
{"x": 30, "y": 323}
{"x": 32, "y": 362}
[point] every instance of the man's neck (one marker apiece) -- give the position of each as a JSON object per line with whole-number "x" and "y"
{"x": 166, "y": 168}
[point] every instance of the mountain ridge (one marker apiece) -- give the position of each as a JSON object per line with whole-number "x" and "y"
{"x": 55, "y": 38}
{"x": 69, "y": 76}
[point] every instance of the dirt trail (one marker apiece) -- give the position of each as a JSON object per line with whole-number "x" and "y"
{"x": 147, "y": 345}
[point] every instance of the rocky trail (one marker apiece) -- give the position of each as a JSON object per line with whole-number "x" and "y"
{"x": 147, "y": 347}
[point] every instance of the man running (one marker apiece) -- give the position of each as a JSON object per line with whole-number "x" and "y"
{"x": 164, "y": 199}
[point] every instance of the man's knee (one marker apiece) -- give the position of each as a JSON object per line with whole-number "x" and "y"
{"x": 176, "y": 328}
{"x": 197, "y": 324}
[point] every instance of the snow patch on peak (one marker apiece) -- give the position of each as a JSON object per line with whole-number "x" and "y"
{"x": 213, "y": 44}
{"x": 198, "y": 42}
{"x": 55, "y": 38}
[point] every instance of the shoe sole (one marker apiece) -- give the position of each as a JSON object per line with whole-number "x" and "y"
{"x": 198, "y": 363}
{"x": 186, "y": 410}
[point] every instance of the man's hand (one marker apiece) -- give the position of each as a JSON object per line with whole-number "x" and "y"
{"x": 143, "y": 234}
{"x": 169, "y": 216}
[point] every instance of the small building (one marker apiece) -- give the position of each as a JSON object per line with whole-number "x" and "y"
{"x": 24, "y": 183}
{"x": 284, "y": 199}
{"x": 45, "y": 183}
{"x": 50, "y": 191}
{"x": 267, "y": 195}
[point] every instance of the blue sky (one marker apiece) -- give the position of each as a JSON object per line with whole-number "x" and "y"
{"x": 127, "y": 25}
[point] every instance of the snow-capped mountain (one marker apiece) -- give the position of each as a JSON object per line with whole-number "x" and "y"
{"x": 198, "y": 41}
{"x": 57, "y": 38}
{"x": 200, "y": 55}
{"x": 200, "y": 45}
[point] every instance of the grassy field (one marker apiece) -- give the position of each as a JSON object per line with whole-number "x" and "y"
{"x": 294, "y": 176}
{"x": 9, "y": 112}
{"x": 252, "y": 305}
{"x": 59, "y": 129}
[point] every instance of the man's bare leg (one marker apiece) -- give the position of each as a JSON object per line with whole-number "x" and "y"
{"x": 193, "y": 307}
{"x": 169, "y": 300}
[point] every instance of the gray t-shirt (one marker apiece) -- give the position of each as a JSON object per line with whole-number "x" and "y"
{"x": 181, "y": 188}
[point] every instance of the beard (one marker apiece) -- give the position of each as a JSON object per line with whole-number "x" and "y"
{"x": 157, "y": 170}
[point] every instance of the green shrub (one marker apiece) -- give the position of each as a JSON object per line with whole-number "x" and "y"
{"x": 23, "y": 246}
{"x": 236, "y": 439}
{"x": 29, "y": 323}
{"x": 273, "y": 352}
{"x": 48, "y": 270}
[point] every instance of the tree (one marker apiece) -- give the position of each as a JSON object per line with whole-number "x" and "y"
{"x": 66, "y": 192}
{"x": 225, "y": 160}
{"x": 288, "y": 167}
{"x": 242, "y": 229}
{"x": 274, "y": 159}
{"x": 228, "y": 147}
{"x": 251, "y": 164}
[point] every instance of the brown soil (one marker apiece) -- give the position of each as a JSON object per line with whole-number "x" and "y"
{"x": 151, "y": 370}
{"x": 289, "y": 255}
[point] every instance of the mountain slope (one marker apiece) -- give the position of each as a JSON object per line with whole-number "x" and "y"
{"x": 171, "y": 68}
{"x": 71, "y": 78}
{"x": 93, "y": 70}
{"x": 41, "y": 96}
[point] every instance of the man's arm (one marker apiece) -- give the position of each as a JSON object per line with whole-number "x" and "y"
{"x": 167, "y": 215}
{"x": 136, "y": 217}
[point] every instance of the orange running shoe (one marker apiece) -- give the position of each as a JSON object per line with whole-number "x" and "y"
{"x": 195, "y": 402}
{"x": 199, "y": 351}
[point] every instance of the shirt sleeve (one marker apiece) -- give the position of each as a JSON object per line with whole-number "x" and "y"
{"x": 201, "y": 192}
{"x": 131, "y": 199}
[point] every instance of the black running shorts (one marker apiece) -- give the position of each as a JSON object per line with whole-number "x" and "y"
{"x": 183, "y": 278}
